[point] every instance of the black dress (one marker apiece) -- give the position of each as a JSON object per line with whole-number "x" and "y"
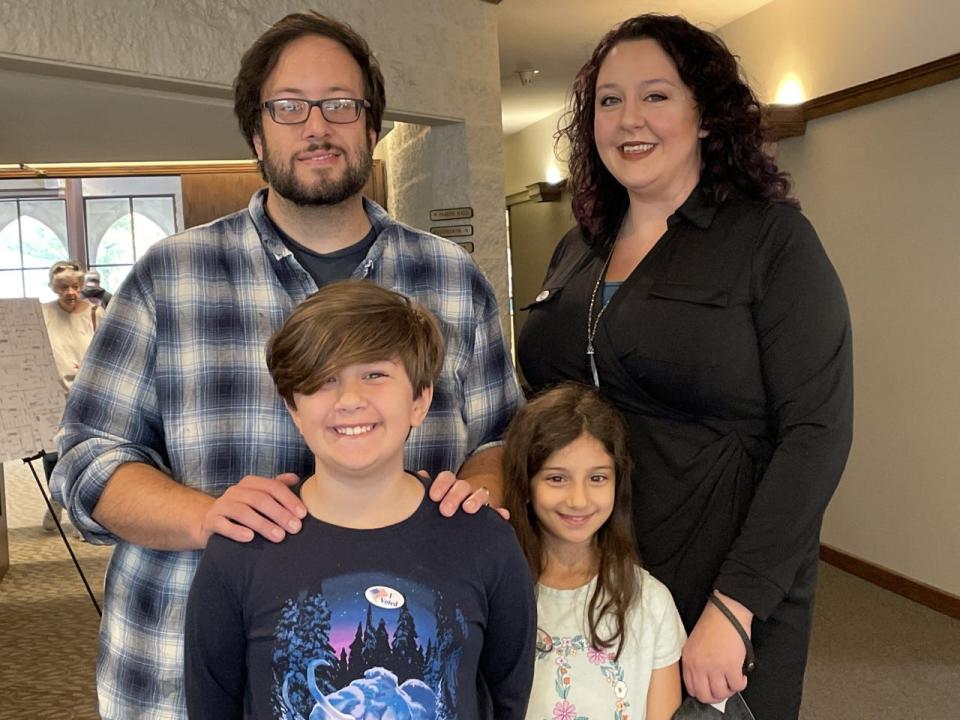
{"x": 728, "y": 350}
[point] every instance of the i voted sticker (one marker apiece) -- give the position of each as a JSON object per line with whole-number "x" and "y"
{"x": 384, "y": 597}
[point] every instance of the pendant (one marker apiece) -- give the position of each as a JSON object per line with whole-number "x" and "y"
{"x": 593, "y": 368}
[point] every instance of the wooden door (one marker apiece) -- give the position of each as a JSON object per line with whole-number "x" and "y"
{"x": 208, "y": 196}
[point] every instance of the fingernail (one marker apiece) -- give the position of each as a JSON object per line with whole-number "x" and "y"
{"x": 277, "y": 533}
{"x": 294, "y": 525}
{"x": 301, "y": 512}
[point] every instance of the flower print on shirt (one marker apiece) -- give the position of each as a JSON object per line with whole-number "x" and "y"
{"x": 610, "y": 669}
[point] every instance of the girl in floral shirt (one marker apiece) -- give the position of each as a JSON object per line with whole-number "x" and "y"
{"x": 609, "y": 635}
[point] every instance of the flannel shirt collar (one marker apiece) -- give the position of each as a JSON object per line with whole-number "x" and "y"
{"x": 381, "y": 222}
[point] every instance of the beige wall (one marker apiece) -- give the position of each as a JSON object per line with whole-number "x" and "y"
{"x": 833, "y": 44}
{"x": 528, "y": 155}
{"x": 880, "y": 183}
{"x": 439, "y": 58}
{"x": 882, "y": 186}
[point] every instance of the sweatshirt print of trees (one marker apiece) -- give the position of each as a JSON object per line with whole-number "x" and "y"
{"x": 364, "y": 648}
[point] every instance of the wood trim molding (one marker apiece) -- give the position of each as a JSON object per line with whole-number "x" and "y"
{"x": 933, "y": 598}
{"x": 538, "y": 192}
{"x": 67, "y": 170}
{"x": 916, "y": 78}
{"x": 781, "y": 123}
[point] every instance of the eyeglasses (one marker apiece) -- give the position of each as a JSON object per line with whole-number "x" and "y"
{"x": 61, "y": 267}
{"x": 294, "y": 111}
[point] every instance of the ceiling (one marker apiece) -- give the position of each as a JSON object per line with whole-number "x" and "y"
{"x": 49, "y": 119}
{"x": 55, "y": 113}
{"x": 556, "y": 37}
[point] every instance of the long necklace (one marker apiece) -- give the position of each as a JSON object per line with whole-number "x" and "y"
{"x": 594, "y": 323}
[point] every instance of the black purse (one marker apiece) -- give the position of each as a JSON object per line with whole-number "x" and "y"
{"x": 693, "y": 709}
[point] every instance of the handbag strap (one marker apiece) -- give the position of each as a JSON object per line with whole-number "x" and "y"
{"x": 93, "y": 316}
{"x": 749, "y": 660}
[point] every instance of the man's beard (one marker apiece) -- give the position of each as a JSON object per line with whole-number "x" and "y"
{"x": 321, "y": 191}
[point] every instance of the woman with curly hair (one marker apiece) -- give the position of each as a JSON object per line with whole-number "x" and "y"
{"x": 700, "y": 301}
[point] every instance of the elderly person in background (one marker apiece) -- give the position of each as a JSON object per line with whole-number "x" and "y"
{"x": 700, "y": 301}
{"x": 92, "y": 290}
{"x": 71, "y": 321}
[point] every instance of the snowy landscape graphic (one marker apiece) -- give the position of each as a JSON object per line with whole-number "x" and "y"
{"x": 337, "y": 656}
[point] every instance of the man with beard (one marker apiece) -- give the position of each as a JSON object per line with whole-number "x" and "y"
{"x": 173, "y": 431}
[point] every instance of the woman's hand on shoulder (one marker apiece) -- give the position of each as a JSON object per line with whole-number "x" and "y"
{"x": 455, "y": 494}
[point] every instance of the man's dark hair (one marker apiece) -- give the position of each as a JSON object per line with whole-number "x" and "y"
{"x": 258, "y": 62}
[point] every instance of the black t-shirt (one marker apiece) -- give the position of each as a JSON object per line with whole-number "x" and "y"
{"x": 412, "y": 619}
{"x": 326, "y": 268}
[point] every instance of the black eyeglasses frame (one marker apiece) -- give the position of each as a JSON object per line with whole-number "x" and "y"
{"x": 358, "y": 104}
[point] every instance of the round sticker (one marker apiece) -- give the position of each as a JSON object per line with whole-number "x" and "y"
{"x": 384, "y": 597}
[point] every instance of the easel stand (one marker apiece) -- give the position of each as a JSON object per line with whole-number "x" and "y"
{"x": 63, "y": 535}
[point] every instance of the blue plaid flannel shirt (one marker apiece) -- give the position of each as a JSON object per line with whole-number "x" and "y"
{"x": 176, "y": 378}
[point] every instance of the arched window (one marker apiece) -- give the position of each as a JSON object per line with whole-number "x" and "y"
{"x": 120, "y": 230}
{"x": 33, "y": 236}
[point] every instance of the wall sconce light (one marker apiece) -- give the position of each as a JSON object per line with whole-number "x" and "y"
{"x": 790, "y": 91}
{"x": 553, "y": 174}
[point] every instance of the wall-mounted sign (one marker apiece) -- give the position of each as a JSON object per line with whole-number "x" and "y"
{"x": 466, "y": 245}
{"x": 461, "y": 213}
{"x": 452, "y": 231}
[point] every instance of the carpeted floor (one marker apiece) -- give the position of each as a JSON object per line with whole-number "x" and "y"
{"x": 48, "y": 625}
{"x": 874, "y": 655}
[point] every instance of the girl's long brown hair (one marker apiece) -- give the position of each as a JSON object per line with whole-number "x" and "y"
{"x": 549, "y": 423}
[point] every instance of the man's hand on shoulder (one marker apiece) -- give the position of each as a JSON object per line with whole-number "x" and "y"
{"x": 454, "y": 494}
{"x": 265, "y": 506}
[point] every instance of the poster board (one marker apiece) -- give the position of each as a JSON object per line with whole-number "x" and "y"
{"x": 31, "y": 397}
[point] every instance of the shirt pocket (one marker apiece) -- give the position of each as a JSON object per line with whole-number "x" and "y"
{"x": 685, "y": 292}
{"x": 685, "y": 324}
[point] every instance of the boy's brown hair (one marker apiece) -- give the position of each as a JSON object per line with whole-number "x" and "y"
{"x": 351, "y": 322}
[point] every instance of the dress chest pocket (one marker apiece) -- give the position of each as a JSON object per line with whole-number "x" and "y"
{"x": 683, "y": 324}
{"x": 687, "y": 293}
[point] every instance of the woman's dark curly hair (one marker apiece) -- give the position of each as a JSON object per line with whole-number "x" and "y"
{"x": 733, "y": 163}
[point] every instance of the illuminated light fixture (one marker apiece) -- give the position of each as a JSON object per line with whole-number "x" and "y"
{"x": 527, "y": 76}
{"x": 790, "y": 91}
{"x": 553, "y": 174}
